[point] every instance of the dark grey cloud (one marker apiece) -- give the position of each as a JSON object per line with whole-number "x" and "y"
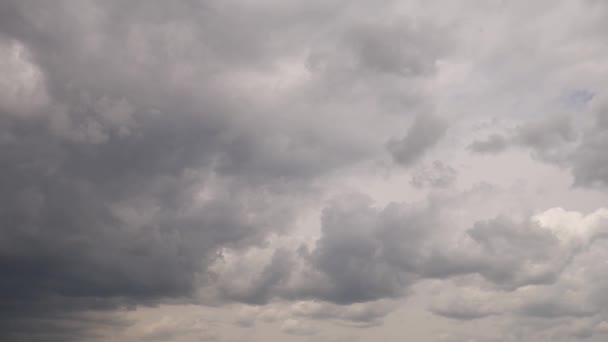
{"x": 143, "y": 153}
{"x": 366, "y": 254}
{"x": 84, "y": 223}
{"x": 142, "y": 141}
{"x": 424, "y": 133}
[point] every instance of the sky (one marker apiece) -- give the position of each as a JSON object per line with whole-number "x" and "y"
{"x": 323, "y": 170}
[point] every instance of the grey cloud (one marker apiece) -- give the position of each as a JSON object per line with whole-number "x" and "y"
{"x": 70, "y": 327}
{"x": 357, "y": 314}
{"x": 360, "y": 315}
{"x": 397, "y": 50}
{"x": 266, "y": 284}
{"x": 464, "y": 298}
{"x": 546, "y": 134}
{"x": 299, "y": 328}
{"x": 425, "y": 132}
{"x": 554, "y": 308}
{"x": 145, "y": 160}
{"x": 461, "y": 312}
{"x": 437, "y": 175}
{"x": 365, "y": 254}
{"x": 372, "y": 59}
{"x": 148, "y": 145}
{"x": 139, "y": 139}
{"x": 506, "y": 253}
{"x": 513, "y": 255}
{"x": 547, "y": 139}
{"x": 559, "y": 140}
{"x": 592, "y": 273}
{"x": 589, "y": 162}
{"x": 575, "y": 293}
{"x": 494, "y": 143}
{"x": 530, "y": 269}
{"x": 177, "y": 328}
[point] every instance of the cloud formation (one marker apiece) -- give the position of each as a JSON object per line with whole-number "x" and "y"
{"x": 316, "y": 167}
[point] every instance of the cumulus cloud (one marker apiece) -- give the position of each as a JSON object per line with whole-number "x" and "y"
{"x": 364, "y": 254}
{"x": 549, "y": 139}
{"x": 424, "y": 133}
{"x": 135, "y": 145}
{"x": 304, "y": 160}
{"x": 572, "y": 142}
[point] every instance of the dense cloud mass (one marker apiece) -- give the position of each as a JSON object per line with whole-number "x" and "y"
{"x": 318, "y": 170}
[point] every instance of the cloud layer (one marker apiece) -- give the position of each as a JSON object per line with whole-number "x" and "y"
{"x": 321, "y": 168}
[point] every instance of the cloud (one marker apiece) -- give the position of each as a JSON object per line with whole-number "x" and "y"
{"x": 362, "y": 255}
{"x": 589, "y": 164}
{"x": 545, "y": 306}
{"x": 358, "y": 314}
{"x": 366, "y": 254}
{"x": 437, "y": 175}
{"x": 234, "y": 154}
{"x": 548, "y": 139}
{"x": 494, "y": 143}
{"x": 295, "y": 327}
{"x": 561, "y": 140}
{"x": 424, "y": 133}
{"x": 138, "y": 140}
{"x": 464, "y": 302}
{"x": 546, "y": 134}
{"x": 516, "y": 254}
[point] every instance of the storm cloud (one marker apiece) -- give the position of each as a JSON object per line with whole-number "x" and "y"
{"x": 315, "y": 167}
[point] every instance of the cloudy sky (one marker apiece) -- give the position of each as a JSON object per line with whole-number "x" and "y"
{"x": 324, "y": 170}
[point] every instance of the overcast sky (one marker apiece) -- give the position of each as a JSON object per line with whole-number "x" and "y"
{"x": 322, "y": 170}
